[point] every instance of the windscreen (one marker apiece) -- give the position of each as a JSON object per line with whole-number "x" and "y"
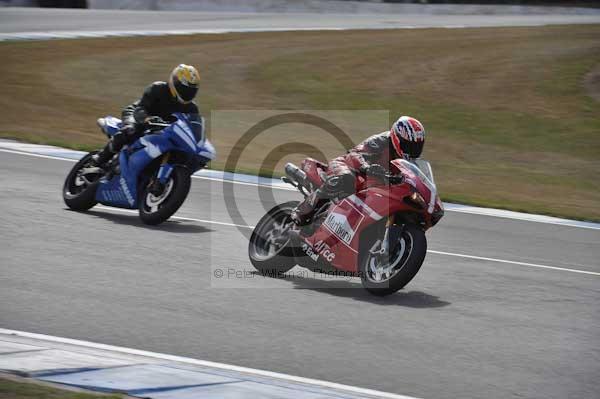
{"x": 422, "y": 169}
{"x": 425, "y": 167}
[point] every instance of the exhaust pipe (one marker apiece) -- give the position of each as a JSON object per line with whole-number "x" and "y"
{"x": 295, "y": 173}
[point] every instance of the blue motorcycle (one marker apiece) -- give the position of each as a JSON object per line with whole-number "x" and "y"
{"x": 153, "y": 174}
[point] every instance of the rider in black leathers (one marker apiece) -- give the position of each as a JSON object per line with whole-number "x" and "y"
{"x": 160, "y": 99}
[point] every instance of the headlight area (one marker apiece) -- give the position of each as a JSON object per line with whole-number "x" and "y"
{"x": 415, "y": 200}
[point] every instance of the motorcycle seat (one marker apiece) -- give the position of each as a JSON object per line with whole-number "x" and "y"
{"x": 101, "y": 122}
{"x": 109, "y": 125}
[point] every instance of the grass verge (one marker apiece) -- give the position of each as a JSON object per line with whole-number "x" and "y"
{"x": 12, "y": 389}
{"x": 510, "y": 112}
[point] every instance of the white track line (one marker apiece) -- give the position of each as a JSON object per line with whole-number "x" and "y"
{"x": 205, "y": 363}
{"x": 37, "y": 155}
{"x": 512, "y": 262}
{"x": 26, "y": 36}
{"x": 244, "y": 183}
{"x": 473, "y": 210}
{"x": 107, "y": 208}
{"x": 31, "y": 154}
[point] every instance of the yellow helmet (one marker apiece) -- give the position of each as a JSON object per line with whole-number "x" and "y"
{"x": 183, "y": 83}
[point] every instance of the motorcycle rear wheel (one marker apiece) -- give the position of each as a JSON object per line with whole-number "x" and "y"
{"x": 271, "y": 255}
{"x": 155, "y": 209}
{"x": 383, "y": 277}
{"x": 79, "y": 194}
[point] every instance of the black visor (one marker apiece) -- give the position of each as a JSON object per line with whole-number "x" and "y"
{"x": 412, "y": 148}
{"x": 186, "y": 93}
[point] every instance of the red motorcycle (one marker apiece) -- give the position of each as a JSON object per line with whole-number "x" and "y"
{"x": 377, "y": 234}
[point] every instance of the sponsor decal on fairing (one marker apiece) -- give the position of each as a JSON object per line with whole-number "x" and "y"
{"x": 126, "y": 191}
{"x": 319, "y": 249}
{"x": 344, "y": 225}
{"x": 309, "y": 251}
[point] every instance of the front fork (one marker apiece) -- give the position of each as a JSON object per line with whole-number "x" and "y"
{"x": 164, "y": 172}
{"x": 162, "y": 176}
{"x": 382, "y": 246}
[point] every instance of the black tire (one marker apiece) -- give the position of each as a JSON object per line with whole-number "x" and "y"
{"x": 411, "y": 262}
{"x": 174, "y": 198}
{"x": 76, "y": 196}
{"x": 282, "y": 258}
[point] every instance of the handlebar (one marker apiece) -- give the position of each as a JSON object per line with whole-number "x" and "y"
{"x": 395, "y": 179}
{"x": 154, "y": 120}
{"x": 158, "y": 124}
{"x": 388, "y": 179}
{"x": 155, "y": 123}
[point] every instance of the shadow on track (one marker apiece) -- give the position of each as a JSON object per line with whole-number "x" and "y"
{"x": 171, "y": 226}
{"x": 354, "y": 290}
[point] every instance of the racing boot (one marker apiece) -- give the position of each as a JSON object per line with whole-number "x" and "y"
{"x": 333, "y": 187}
{"x": 102, "y": 158}
{"x": 304, "y": 212}
{"x": 114, "y": 145}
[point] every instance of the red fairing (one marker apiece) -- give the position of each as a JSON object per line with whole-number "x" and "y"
{"x": 337, "y": 240}
{"x": 340, "y": 232}
{"x": 427, "y": 191}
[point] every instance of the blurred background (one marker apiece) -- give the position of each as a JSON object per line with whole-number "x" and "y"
{"x": 216, "y": 4}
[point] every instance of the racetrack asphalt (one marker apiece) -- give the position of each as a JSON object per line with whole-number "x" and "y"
{"x": 15, "y": 20}
{"x": 463, "y": 327}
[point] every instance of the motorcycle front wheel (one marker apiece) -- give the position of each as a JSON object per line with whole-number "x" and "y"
{"x": 384, "y": 275}
{"x": 155, "y": 208}
{"x": 269, "y": 247}
{"x": 79, "y": 189}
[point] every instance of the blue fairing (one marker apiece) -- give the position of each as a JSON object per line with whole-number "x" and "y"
{"x": 185, "y": 135}
{"x": 112, "y": 125}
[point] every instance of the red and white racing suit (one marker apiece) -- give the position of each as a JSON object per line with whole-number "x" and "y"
{"x": 342, "y": 173}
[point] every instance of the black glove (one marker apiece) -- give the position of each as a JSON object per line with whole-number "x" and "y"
{"x": 122, "y": 137}
{"x": 375, "y": 170}
{"x": 139, "y": 115}
{"x": 155, "y": 119}
{"x": 118, "y": 141}
{"x": 128, "y": 130}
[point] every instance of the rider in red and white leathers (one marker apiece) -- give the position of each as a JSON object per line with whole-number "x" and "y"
{"x": 405, "y": 139}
